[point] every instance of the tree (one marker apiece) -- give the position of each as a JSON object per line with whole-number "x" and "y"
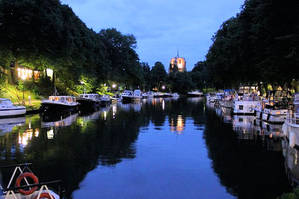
{"x": 158, "y": 75}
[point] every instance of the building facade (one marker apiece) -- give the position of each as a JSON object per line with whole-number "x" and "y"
{"x": 178, "y": 62}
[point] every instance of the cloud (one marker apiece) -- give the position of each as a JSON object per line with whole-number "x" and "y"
{"x": 161, "y": 26}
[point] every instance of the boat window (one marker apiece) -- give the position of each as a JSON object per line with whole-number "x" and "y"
{"x": 240, "y": 119}
{"x": 240, "y": 107}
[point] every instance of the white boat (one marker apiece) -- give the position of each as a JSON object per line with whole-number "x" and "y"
{"x": 7, "y": 109}
{"x": 130, "y": 96}
{"x": 246, "y": 104}
{"x": 175, "y": 95}
{"x": 195, "y": 94}
{"x": 291, "y": 125}
{"x": 227, "y": 101}
{"x": 259, "y": 108}
{"x": 274, "y": 113}
{"x": 211, "y": 97}
{"x": 57, "y": 104}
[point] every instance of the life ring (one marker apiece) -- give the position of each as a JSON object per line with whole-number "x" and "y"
{"x": 44, "y": 195}
{"x": 27, "y": 175}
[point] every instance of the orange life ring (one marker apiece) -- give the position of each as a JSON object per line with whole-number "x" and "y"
{"x": 27, "y": 175}
{"x": 44, "y": 195}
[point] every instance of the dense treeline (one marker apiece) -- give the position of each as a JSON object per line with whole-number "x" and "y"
{"x": 46, "y": 34}
{"x": 260, "y": 44}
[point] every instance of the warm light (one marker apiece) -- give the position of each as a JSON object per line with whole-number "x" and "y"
{"x": 50, "y": 134}
{"x": 113, "y": 85}
{"x": 25, "y": 137}
{"x": 180, "y": 123}
{"x": 49, "y": 72}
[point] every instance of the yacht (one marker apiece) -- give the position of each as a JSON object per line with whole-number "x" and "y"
{"x": 89, "y": 100}
{"x": 275, "y": 112}
{"x": 195, "y": 94}
{"x": 211, "y": 97}
{"x": 291, "y": 124}
{"x": 130, "y": 96}
{"x": 226, "y": 101}
{"x": 105, "y": 100}
{"x": 57, "y": 104}
{"x": 7, "y": 109}
{"x": 246, "y": 104}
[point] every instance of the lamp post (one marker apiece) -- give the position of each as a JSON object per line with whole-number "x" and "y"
{"x": 23, "y": 87}
{"x": 82, "y": 83}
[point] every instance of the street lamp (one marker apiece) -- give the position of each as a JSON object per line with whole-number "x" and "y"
{"x": 163, "y": 87}
{"x": 82, "y": 83}
{"x": 23, "y": 78}
{"x": 113, "y": 86}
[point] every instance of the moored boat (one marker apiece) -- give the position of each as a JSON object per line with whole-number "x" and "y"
{"x": 130, "y": 96}
{"x": 195, "y": 94}
{"x": 105, "y": 100}
{"x": 291, "y": 124}
{"x": 8, "y": 109}
{"x": 58, "y": 104}
{"x": 275, "y": 113}
{"x": 89, "y": 101}
{"x": 246, "y": 104}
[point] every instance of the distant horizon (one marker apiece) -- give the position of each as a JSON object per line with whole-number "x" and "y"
{"x": 159, "y": 33}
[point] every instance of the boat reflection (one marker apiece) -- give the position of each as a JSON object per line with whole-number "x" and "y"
{"x": 136, "y": 107}
{"x": 62, "y": 122}
{"x": 7, "y": 124}
{"x": 291, "y": 156}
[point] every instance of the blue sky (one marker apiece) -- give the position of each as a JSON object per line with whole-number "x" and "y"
{"x": 161, "y": 27}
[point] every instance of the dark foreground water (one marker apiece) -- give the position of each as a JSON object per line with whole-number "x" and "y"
{"x": 158, "y": 149}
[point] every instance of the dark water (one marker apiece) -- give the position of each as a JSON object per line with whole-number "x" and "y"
{"x": 157, "y": 149}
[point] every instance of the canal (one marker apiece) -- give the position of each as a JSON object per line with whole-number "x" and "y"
{"x": 157, "y": 149}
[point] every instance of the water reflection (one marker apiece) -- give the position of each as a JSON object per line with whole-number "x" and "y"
{"x": 7, "y": 124}
{"x": 136, "y": 141}
{"x": 291, "y": 162}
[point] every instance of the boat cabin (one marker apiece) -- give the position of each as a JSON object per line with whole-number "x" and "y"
{"x": 5, "y": 103}
{"x": 90, "y": 96}
{"x": 69, "y": 99}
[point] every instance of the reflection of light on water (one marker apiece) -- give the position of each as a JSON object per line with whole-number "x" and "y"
{"x": 36, "y": 133}
{"x": 50, "y": 134}
{"x": 163, "y": 105}
{"x": 177, "y": 126}
{"x": 180, "y": 123}
{"x": 104, "y": 115}
{"x": 24, "y": 138}
{"x": 114, "y": 109}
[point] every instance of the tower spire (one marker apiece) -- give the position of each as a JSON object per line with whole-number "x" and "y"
{"x": 178, "y": 53}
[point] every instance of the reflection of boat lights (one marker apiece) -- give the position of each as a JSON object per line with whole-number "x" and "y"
{"x": 163, "y": 105}
{"x": 29, "y": 125}
{"x": 295, "y": 158}
{"x": 172, "y": 126}
{"x": 114, "y": 109}
{"x": 36, "y": 133}
{"x": 25, "y": 137}
{"x": 50, "y": 134}
{"x": 105, "y": 115}
{"x": 270, "y": 136}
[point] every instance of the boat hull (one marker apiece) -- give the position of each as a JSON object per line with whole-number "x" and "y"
{"x": 88, "y": 104}
{"x": 12, "y": 112}
{"x": 53, "y": 108}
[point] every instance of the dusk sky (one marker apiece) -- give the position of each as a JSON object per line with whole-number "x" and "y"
{"x": 161, "y": 27}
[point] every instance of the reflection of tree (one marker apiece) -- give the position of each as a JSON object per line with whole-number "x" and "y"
{"x": 246, "y": 168}
{"x": 79, "y": 148}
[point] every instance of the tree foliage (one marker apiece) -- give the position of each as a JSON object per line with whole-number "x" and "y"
{"x": 260, "y": 44}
